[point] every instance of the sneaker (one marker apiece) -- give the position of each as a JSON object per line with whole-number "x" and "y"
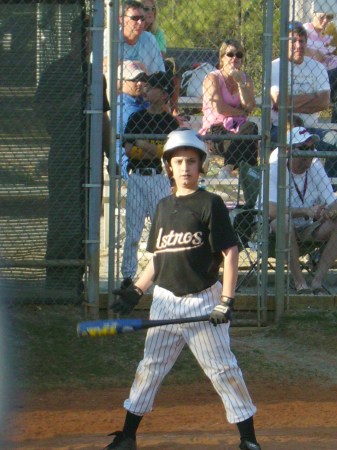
{"x": 247, "y": 445}
{"x": 126, "y": 283}
{"x": 121, "y": 442}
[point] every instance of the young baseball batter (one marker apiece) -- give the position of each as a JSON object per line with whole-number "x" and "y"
{"x": 191, "y": 235}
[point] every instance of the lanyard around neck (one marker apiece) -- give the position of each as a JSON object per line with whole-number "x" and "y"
{"x": 300, "y": 194}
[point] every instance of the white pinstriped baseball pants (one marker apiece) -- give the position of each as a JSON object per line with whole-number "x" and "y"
{"x": 143, "y": 195}
{"x": 210, "y": 345}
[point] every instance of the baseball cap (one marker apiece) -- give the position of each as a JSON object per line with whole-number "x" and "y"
{"x": 159, "y": 80}
{"x": 299, "y": 135}
{"x": 131, "y": 70}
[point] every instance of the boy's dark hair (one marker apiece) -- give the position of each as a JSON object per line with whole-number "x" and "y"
{"x": 298, "y": 28}
{"x": 159, "y": 80}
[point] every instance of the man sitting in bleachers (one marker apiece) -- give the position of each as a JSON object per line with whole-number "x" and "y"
{"x": 309, "y": 92}
{"x": 311, "y": 208}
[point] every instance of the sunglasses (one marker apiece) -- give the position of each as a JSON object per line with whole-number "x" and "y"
{"x": 237, "y": 54}
{"x": 151, "y": 9}
{"x": 136, "y": 18}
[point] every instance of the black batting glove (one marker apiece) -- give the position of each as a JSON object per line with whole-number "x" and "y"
{"x": 126, "y": 299}
{"x": 222, "y": 313}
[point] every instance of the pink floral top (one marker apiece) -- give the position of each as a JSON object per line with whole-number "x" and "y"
{"x": 211, "y": 117}
{"x": 318, "y": 41}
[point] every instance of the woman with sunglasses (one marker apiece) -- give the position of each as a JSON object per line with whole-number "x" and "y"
{"x": 151, "y": 24}
{"x": 228, "y": 98}
{"x": 319, "y": 48}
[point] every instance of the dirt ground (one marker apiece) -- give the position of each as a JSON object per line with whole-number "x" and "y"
{"x": 292, "y": 415}
{"x": 289, "y": 417}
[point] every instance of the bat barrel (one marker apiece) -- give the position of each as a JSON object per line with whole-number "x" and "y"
{"x": 111, "y": 327}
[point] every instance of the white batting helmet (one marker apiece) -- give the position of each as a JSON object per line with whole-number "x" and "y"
{"x": 184, "y": 138}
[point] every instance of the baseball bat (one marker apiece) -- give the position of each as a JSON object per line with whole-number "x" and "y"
{"x": 112, "y": 327}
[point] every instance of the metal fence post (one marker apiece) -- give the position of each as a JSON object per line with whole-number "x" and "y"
{"x": 96, "y": 160}
{"x": 264, "y": 156}
{"x": 113, "y": 63}
{"x": 283, "y": 111}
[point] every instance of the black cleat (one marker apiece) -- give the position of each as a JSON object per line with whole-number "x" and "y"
{"x": 121, "y": 442}
{"x": 247, "y": 445}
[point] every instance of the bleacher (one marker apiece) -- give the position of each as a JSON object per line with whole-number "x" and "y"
{"x": 188, "y": 58}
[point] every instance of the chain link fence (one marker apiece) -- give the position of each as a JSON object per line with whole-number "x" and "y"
{"x": 44, "y": 74}
{"x": 190, "y": 52}
{"x": 193, "y": 49}
{"x": 46, "y": 144}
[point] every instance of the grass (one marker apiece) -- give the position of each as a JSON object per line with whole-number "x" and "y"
{"x": 314, "y": 328}
{"x": 44, "y": 352}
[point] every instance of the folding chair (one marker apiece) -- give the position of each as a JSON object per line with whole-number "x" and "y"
{"x": 244, "y": 219}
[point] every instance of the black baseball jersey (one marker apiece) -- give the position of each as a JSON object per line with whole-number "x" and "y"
{"x": 147, "y": 123}
{"x": 187, "y": 237}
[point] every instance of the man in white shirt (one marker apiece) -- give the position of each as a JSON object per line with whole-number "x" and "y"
{"x": 135, "y": 43}
{"x": 138, "y": 44}
{"x": 311, "y": 207}
{"x": 309, "y": 86}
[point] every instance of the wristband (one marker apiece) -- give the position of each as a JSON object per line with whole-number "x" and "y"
{"x": 226, "y": 296}
{"x": 228, "y": 302}
{"x": 138, "y": 290}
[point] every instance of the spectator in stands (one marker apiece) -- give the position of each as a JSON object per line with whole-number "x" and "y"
{"x": 311, "y": 208}
{"x": 138, "y": 44}
{"x": 319, "y": 48}
{"x": 132, "y": 76}
{"x": 151, "y": 24}
{"x": 228, "y": 98}
{"x": 310, "y": 89}
{"x": 147, "y": 184}
{"x": 60, "y": 100}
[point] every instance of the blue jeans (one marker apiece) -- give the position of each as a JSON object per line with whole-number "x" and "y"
{"x": 328, "y": 142}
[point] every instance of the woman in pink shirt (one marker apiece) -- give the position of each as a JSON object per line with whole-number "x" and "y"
{"x": 228, "y": 98}
{"x": 319, "y": 48}
{"x": 318, "y": 42}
